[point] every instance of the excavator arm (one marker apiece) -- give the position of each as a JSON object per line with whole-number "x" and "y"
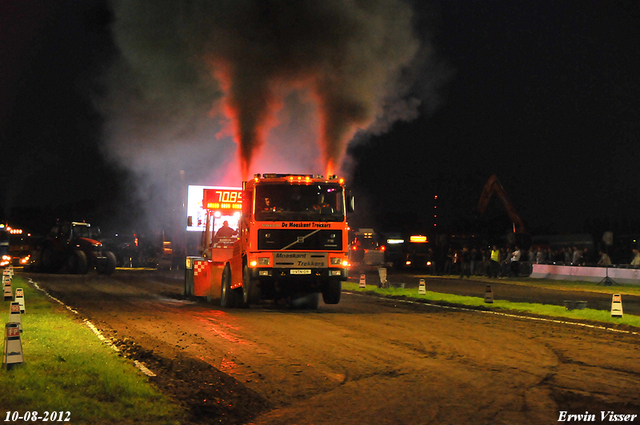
{"x": 493, "y": 186}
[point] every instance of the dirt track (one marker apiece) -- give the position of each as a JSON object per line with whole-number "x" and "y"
{"x": 364, "y": 361}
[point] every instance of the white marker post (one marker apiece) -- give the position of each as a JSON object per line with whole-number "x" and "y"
{"x": 20, "y": 298}
{"x": 488, "y": 295}
{"x": 12, "y": 346}
{"x": 422, "y": 288}
{"x": 14, "y": 314}
{"x": 616, "y": 306}
{"x": 382, "y": 272}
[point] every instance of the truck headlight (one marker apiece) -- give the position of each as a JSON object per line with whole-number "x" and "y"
{"x": 264, "y": 261}
{"x": 336, "y": 261}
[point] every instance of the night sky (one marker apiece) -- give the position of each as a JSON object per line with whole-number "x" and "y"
{"x": 546, "y": 95}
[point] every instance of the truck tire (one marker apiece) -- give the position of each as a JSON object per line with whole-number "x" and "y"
{"x": 228, "y": 297}
{"x": 331, "y": 292}
{"x": 78, "y": 263}
{"x": 250, "y": 289}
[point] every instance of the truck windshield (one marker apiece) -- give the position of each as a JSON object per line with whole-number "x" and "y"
{"x": 314, "y": 202}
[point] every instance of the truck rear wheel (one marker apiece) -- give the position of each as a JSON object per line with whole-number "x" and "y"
{"x": 331, "y": 292}
{"x": 228, "y": 297}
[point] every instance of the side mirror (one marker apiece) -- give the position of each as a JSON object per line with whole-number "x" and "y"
{"x": 350, "y": 203}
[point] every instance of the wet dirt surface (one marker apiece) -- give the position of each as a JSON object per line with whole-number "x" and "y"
{"x": 367, "y": 360}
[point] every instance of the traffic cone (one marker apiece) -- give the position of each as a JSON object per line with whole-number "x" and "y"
{"x": 14, "y": 314}
{"x": 20, "y": 299}
{"x": 363, "y": 281}
{"x": 422, "y": 288}
{"x": 616, "y": 306}
{"x": 488, "y": 295}
{"x": 12, "y": 346}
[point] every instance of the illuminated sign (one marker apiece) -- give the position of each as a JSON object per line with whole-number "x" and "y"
{"x": 418, "y": 239}
{"x": 224, "y": 200}
{"x": 196, "y": 211}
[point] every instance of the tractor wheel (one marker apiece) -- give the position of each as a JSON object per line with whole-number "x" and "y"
{"x": 331, "y": 292}
{"x": 77, "y": 263}
{"x": 110, "y": 267}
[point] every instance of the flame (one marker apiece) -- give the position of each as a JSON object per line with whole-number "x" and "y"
{"x": 330, "y": 169}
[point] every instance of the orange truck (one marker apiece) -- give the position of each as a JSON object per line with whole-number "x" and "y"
{"x": 291, "y": 242}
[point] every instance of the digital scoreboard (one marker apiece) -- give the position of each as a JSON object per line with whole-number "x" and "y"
{"x": 225, "y": 200}
{"x": 196, "y": 206}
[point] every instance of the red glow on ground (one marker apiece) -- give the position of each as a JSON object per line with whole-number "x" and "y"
{"x": 222, "y": 324}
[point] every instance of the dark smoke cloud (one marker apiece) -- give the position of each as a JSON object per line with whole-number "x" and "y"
{"x": 190, "y": 68}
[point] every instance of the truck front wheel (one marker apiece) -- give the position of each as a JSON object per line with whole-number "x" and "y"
{"x": 228, "y": 297}
{"x": 331, "y": 292}
{"x": 250, "y": 289}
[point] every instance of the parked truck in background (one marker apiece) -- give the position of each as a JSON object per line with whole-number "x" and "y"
{"x": 291, "y": 242}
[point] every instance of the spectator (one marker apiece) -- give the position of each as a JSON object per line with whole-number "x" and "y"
{"x": 567, "y": 255}
{"x": 575, "y": 260}
{"x": 465, "y": 268}
{"x": 515, "y": 262}
{"x": 604, "y": 260}
{"x": 636, "y": 258}
{"x": 476, "y": 258}
{"x": 539, "y": 256}
{"x": 494, "y": 262}
{"x": 532, "y": 255}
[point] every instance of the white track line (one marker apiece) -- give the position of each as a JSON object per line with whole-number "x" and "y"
{"x": 93, "y": 328}
{"x": 540, "y": 319}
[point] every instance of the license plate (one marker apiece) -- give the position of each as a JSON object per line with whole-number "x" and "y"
{"x": 301, "y": 271}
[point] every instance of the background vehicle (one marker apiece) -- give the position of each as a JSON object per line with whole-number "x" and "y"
{"x": 366, "y": 250}
{"x": 20, "y": 248}
{"x": 73, "y": 248}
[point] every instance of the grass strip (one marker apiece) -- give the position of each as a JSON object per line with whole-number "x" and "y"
{"x": 67, "y": 369}
{"x": 538, "y": 309}
{"x": 558, "y": 285}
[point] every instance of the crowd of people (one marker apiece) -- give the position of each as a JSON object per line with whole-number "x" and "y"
{"x": 504, "y": 262}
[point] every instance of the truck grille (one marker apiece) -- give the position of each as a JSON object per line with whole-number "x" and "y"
{"x": 299, "y": 239}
